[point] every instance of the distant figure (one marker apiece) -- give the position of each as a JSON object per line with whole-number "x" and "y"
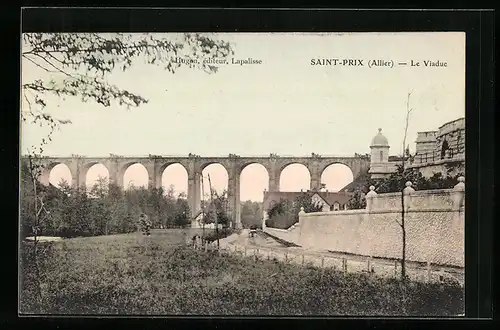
{"x": 187, "y": 240}
{"x": 253, "y": 230}
{"x": 145, "y": 224}
{"x": 196, "y": 241}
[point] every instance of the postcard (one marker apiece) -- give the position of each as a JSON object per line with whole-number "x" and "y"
{"x": 240, "y": 174}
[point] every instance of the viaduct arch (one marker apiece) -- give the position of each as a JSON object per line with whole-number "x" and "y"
{"x": 194, "y": 165}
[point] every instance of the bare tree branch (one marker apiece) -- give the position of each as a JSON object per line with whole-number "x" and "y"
{"x": 408, "y": 111}
{"x": 29, "y": 103}
{"x": 84, "y": 59}
{"x": 38, "y": 65}
{"x": 52, "y": 65}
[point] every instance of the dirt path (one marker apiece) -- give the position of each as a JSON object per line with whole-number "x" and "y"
{"x": 262, "y": 240}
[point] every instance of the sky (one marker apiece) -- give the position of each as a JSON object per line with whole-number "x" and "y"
{"x": 284, "y": 105}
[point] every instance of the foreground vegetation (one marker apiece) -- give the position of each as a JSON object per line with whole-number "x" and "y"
{"x": 285, "y": 213}
{"x": 135, "y": 274}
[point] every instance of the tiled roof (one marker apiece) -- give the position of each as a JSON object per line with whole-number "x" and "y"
{"x": 359, "y": 182}
{"x": 332, "y": 197}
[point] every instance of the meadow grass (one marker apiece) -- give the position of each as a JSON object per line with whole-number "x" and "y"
{"x": 159, "y": 275}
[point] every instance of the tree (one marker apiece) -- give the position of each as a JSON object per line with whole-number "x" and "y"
{"x": 251, "y": 213}
{"x": 280, "y": 214}
{"x": 398, "y": 178}
{"x": 100, "y": 189}
{"x": 79, "y": 64}
{"x": 154, "y": 202}
{"x": 357, "y": 201}
{"x": 305, "y": 200}
{"x": 285, "y": 213}
{"x": 217, "y": 209}
{"x": 181, "y": 217}
{"x": 100, "y": 206}
{"x": 167, "y": 207}
{"x": 402, "y": 224}
{"x": 33, "y": 170}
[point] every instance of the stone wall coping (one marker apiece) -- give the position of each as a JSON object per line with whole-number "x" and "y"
{"x": 384, "y": 211}
{"x": 428, "y": 209}
{"x": 288, "y": 230}
{"x": 343, "y": 212}
{"x": 167, "y": 157}
{"x": 432, "y": 192}
{"x": 457, "y": 124}
{"x": 417, "y": 193}
{"x": 278, "y": 229}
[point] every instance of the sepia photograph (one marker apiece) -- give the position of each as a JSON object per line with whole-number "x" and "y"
{"x": 242, "y": 174}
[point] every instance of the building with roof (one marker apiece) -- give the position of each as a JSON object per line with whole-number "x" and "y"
{"x": 437, "y": 150}
{"x": 202, "y": 217}
{"x": 331, "y": 201}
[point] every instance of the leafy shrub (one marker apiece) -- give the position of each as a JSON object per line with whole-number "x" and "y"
{"x": 211, "y": 236}
{"x": 285, "y": 213}
{"x": 33, "y": 274}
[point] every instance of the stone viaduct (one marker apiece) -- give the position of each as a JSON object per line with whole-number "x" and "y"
{"x": 194, "y": 165}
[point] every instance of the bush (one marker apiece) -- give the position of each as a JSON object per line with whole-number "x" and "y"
{"x": 285, "y": 212}
{"x": 34, "y": 274}
{"x": 212, "y": 235}
{"x": 104, "y": 210}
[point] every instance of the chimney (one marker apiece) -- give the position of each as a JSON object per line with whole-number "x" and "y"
{"x": 301, "y": 190}
{"x": 327, "y": 190}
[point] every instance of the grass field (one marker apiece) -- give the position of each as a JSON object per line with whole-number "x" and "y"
{"x": 134, "y": 274}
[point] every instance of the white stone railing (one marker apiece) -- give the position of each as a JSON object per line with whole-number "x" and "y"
{"x": 436, "y": 199}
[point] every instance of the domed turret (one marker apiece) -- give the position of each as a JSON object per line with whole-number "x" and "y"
{"x": 379, "y": 160}
{"x": 379, "y": 140}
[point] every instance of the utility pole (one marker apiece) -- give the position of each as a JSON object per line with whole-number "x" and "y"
{"x": 215, "y": 211}
{"x": 203, "y": 206}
